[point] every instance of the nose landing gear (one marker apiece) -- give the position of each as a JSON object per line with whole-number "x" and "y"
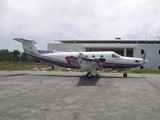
{"x": 125, "y": 75}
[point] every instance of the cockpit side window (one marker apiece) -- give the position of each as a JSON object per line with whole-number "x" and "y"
{"x": 115, "y": 56}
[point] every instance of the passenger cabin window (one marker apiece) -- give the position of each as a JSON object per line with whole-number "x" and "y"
{"x": 93, "y": 55}
{"x": 86, "y": 56}
{"x": 115, "y": 56}
{"x": 101, "y": 56}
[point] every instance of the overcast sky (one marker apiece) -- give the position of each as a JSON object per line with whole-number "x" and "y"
{"x": 48, "y": 20}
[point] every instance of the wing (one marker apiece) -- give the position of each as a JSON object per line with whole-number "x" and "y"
{"x": 90, "y": 63}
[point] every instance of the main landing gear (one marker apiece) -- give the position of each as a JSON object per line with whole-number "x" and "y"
{"x": 89, "y": 75}
{"x": 92, "y": 73}
{"x": 124, "y": 75}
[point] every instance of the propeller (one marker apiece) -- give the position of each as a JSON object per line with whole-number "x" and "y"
{"x": 144, "y": 59}
{"x": 144, "y": 56}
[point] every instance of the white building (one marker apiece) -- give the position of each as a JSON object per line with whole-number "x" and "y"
{"x": 132, "y": 48}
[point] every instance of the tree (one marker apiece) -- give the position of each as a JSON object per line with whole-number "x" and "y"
{"x": 5, "y": 55}
{"x": 16, "y": 54}
{"x": 23, "y": 57}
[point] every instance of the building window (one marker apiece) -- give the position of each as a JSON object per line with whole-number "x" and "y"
{"x": 142, "y": 67}
{"x": 159, "y": 67}
{"x": 142, "y": 51}
{"x": 159, "y": 52}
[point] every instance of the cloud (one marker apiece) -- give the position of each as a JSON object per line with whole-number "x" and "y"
{"x": 80, "y": 19}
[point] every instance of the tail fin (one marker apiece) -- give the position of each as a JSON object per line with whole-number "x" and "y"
{"x": 29, "y": 47}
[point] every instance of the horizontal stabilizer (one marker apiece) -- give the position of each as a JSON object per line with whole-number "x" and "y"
{"x": 24, "y": 40}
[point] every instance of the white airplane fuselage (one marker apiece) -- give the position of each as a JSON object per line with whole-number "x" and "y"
{"x": 72, "y": 59}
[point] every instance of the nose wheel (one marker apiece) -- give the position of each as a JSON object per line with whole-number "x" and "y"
{"x": 125, "y": 75}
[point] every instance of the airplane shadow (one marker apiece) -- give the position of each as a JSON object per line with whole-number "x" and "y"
{"x": 48, "y": 75}
{"x": 84, "y": 81}
{"x": 12, "y": 75}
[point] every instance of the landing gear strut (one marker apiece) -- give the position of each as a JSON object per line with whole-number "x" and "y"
{"x": 125, "y": 75}
{"x": 92, "y": 73}
{"x": 89, "y": 75}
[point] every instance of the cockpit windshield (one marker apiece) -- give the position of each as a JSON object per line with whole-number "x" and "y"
{"x": 115, "y": 55}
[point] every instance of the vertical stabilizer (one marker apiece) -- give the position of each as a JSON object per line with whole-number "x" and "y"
{"x": 28, "y": 45}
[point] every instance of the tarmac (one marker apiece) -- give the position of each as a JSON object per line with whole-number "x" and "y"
{"x": 29, "y": 95}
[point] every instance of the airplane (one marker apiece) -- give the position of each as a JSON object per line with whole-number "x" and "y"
{"x": 89, "y": 61}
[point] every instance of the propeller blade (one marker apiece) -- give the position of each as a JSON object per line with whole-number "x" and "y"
{"x": 144, "y": 57}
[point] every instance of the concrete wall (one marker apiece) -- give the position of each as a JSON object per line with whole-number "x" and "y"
{"x": 152, "y": 55}
{"x": 65, "y": 47}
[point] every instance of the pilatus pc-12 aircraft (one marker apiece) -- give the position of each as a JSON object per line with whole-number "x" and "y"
{"x": 89, "y": 61}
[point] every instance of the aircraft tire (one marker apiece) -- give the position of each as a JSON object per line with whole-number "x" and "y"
{"x": 89, "y": 75}
{"x": 125, "y": 75}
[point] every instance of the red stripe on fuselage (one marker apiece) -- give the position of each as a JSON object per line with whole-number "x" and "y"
{"x": 48, "y": 60}
{"x": 122, "y": 64}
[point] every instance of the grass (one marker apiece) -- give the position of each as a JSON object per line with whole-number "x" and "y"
{"x": 18, "y": 65}
{"x": 146, "y": 71}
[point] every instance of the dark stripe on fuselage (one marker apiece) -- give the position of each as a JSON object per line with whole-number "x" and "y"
{"x": 71, "y": 61}
{"x": 118, "y": 65}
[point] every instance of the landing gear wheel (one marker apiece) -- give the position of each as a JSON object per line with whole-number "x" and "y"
{"x": 89, "y": 75}
{"x": 125, "y": 75}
